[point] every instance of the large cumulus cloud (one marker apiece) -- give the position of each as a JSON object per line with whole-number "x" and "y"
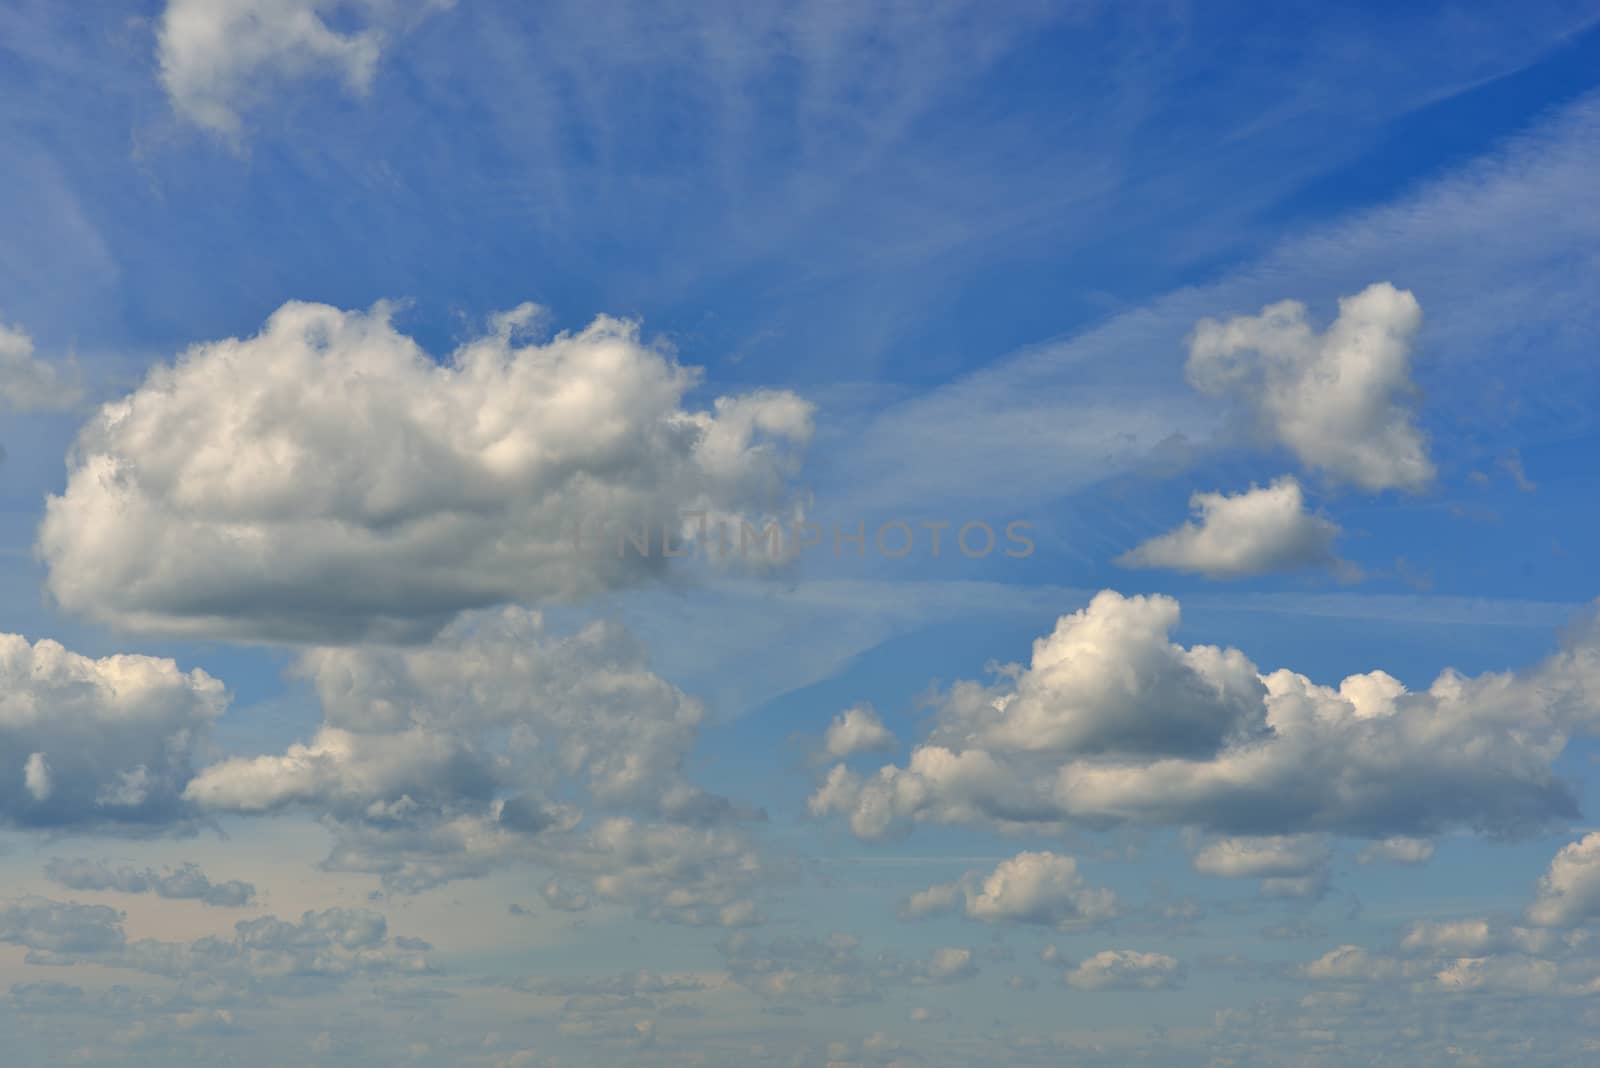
{"x": 325, "y": 480}
{"x": 1112, "y": 723}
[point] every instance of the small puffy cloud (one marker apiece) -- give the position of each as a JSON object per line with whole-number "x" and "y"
{"x": 1569, "y": 892}
{"x": 1251, "y": 533}
{"x": 332, "y": 483}
{"x": 1112, "y": 723}
{"x": 943, "y": 897}
{"x": 1126, "y": 969}
{"x": 856, "y": 730}
{"x": 218, "y": 56}
{"x": 1399, "y": 850}
{"x": 185, "y": 882}
{"x": 1338, "y": 399}
{"x": 1031, "y": 887}
{"x": 1287, "y": 865}
{"x": 1277, "y": 856}
{"x": 98, "y": 743}
{"x": 28, "y": 383}
{"x": 1354, "y": 964}
{"x": 950, "y": 964}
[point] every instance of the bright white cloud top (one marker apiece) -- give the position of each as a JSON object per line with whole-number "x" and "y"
{"x": 326, "y": 480}
{"x": 1337, "y": 399}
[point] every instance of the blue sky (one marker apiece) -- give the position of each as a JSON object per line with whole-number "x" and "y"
{"x": 322, "y": 323}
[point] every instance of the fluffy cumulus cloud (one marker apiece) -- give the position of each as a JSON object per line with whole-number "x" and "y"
{"x": 1569, "y": 893}
{"x": 183, "y": 883}
{"x": 500, "y": 742}
{"x": 1337, "y": 399}
{"x": 1249, "y": 533}
{"x": 1113, "y": 723}
{"x": 1125, "y": 969}
{"x": 856, "y": 730}
{"x": 325, "y": 480}
{"x": 98, "y": 743}
{"x": 1032, "y": 888}
{"x": 28, "y": 383}
{"x": 218, "y": 56}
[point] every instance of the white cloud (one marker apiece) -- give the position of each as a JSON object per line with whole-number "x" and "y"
{"x": 1336, "y": 399}
{"x": 1206, "y": 740}
{"x": 1126, "y": 969}
{"x": 1569, "y": 892}
{"x": 108, "y": 742}
{"x": 1031, "y": 887}
{"x": 218, "y": 56}
{"x": 1250, "y": 533}
{"x": 28, "y": 383}
{"x": 331, "y": 482}
{"x": 856, "y": 730}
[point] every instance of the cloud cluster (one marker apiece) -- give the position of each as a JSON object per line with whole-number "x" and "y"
{"x": 1112, "y": 723}
{"x": 183, "y": 883}
{"x": 218, "y": 56}
{"x": 1337, "y": 399}
{"x": 325, "y": 480}
{"x": 102, "y": 743}
{"x": 501, "y": 742}
{"x": 1250, "y": 533}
